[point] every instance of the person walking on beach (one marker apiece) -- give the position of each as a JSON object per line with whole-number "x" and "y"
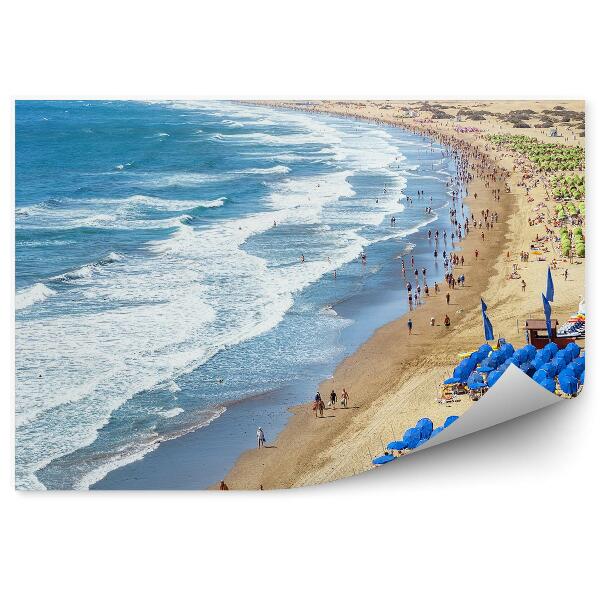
{"x": 320, "y": 404}
{"x": 333, "y": 399}
{"x": 448, "y": 298}
{"x": 523, "y": 285}
{"x": 223, "y": 486}
{"x": 566, "y": 273}
{"x": 260, "y": 437}
{"x": 410, "y": 326}
{"x": 315, "y": 407}
{"x": 345, "y": 398}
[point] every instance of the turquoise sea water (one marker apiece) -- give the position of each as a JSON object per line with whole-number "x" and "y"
{"x": 158, "y": 266}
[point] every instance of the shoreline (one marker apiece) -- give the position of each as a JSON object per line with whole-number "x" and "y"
{"x": 392, "y": 378}
{"x": 203, "y": 452}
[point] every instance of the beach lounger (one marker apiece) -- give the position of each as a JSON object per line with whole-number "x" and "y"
{"x": 451, "y": 390}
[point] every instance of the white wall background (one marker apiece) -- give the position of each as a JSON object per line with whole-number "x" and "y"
{"x": 510, "y": 512}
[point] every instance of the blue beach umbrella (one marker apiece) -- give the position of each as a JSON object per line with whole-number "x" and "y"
{"x": 528, "y": 369}
{"x": 449, "y": 420}
{"x": 485, "y": 348}
{"x": 412, "y": 436}
{"x": 397, "y": 445}
{"x": 570, "y": 371}
{"x": 493, "y": 377}
{"x": 538, "y": 361}
{"x": 573, "y": 349}
{"x": 384, "y": 458}
{"x": 425, "y": 427}
{"x": 545, "y": 353}
{"x": 508, "y": 350}
{"x": 495, "y": 359}
{"x": 568, "y": 384}
{"x": 474, "y": 378}
{"x": 577, "y": 366}
{"x": 561, "y": 362}
{"x": 477, "y": 385}
{"x": 552, "y": 347}
{"x": 549, "y": 384}
{"x": 550, "y": 368}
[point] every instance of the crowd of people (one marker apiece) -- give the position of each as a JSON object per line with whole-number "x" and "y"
{"x": 470, "y": 163}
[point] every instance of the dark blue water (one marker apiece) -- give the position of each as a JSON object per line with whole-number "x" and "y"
{"x": 159, "y": 272}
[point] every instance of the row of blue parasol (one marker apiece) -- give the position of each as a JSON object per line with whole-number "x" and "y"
{"x": 545, "y": 366}
{"x": 413, "y": 437}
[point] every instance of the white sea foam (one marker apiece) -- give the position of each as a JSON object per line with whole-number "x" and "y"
{"x": 32, "y": 295}
{"x": 173, "y": 387}
{"x": 115, "y": 212}
{"x": 88, "y": 270}
{"x": 232, "y": 124}
{"x": 173, "y": 412}
{"x": 134, "y": 452}
{"x": 202, "y": 285}
{"x": 279, "y": 169}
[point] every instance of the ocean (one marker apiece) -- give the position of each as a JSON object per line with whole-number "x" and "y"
{"x": 159, "y": 271}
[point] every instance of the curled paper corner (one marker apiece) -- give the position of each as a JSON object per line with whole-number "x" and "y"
{"x": 515, "y": 394}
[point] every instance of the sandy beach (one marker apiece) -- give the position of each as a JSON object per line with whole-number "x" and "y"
{"x": 393, "y": 379}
